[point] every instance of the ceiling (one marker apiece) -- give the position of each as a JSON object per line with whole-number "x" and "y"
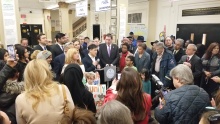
{"x": 43, "y": 4}
{"x": 36, "y": 4}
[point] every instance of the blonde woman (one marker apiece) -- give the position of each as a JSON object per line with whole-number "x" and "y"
{"x": 73, "y": 57}
{"x": 43, "y": 101}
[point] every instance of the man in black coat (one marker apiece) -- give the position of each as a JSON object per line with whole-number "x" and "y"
{"x": 59, "y": 60}
{"x": 193, "y": 61}
{"x": 42, "y": 39}
{"x": 58, "y": 49}
{"x": 178, "y": 51}
{"x": 90, "y": 61}
{"x": 108, "y": 52}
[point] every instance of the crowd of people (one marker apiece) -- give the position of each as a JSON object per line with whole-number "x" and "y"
{"x": 49, "y": 83}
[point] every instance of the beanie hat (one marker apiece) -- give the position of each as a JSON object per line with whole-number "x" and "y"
{"x": 44, "y": 55}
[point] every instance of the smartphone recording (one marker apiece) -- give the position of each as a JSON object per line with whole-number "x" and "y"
{"x": 11, "y": 51}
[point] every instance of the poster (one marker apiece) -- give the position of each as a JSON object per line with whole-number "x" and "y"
{"x": 9, "y": 22}
{"x": 138, "y": 29}
{"x": 82, "y": 8}
{"x": 99, "y": 92}
{"x": 102, "y": 5}
{"x": 122, "y": 22}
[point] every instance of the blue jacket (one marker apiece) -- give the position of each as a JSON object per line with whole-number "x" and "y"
{"x": 58, "y": 65}
{"x": 143, "y": 62}
{"x": 183, "y": 105}
{"x": 166, "y": 64}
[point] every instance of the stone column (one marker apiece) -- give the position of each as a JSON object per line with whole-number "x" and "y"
{"x": 47, "y": 23}
{"x": 64, "y": 17}
{"x": 70, "y": 33}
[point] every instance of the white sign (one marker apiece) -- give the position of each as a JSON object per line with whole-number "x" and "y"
{"x": 122, "y": 22}
{"x": 9, "y": 21}
{"x": 102, "y": 5}
{"x": 82, "y": 8}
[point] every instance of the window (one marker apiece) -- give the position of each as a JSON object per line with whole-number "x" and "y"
{"x": 134, "y": 18}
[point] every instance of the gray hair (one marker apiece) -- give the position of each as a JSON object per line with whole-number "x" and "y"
{"x": 181, "y": 41}
{"x": 114, "y": 112}
{"x": 160, "y": 44}
{"x": 66, "y": 45}
{"x": 183, "y": 73}
{"x": 194, "y": 46}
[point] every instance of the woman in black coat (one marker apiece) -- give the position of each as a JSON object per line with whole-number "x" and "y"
{"x": 82, "y": 98}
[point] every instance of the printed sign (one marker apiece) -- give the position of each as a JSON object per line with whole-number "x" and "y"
{"x": 110, "y": 73}
{"x": 82, "y": 8}
{"x": 99, "y": 92}
{"x": 9, "y": 21}
{"x": 102, "y": 5}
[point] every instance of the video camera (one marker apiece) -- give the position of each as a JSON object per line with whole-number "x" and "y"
{"x": 160, "y": 91}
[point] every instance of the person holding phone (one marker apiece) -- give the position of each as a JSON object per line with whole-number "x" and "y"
{"x": 185, "y": 104}
{"x": 128, "y": 91}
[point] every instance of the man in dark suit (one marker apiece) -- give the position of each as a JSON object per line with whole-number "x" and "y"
{"x": 108, "y": 52}
{"x": 57, "y": 49}
{"x": 90, "y": 61}
{"x": 60, "y": 59}
{"x": 178, "y": 51}
{"x": 193, "y": 61}
{"x": 42, "y": 39}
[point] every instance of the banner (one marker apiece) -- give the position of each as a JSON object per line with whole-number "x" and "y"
{"x": 82, "y": 8}
{"x": 99, "y": 92}
{"x": 102, "y": 5}
{"x": 9, "y": 21}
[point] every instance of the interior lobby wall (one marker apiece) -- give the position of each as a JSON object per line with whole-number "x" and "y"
{"x": 33, "y": 16}
{"x": 169, "y": 14}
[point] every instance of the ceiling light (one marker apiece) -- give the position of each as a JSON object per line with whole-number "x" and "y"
{"x": 53, "y": 6}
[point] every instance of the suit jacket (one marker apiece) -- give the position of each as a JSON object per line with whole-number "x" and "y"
{"x": 58, "y": 65}
{"x": 38, "y": 47}
{"x": 87, "y": 61}
{"x": 104, "y": 57}
{"x": 167, "y": 63}
{"x": 56, "y": 50}
{"x": 179, "y": 54}
{"x": 196, "y": 67}
{"x": 143, "y": 62}
{"x": 148, "y": 50}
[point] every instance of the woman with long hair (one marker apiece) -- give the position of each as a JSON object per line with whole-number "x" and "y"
{"x": 72, "y": 56}
{"x": 42, "y": 102}
{"x": 23, "y": 55}
{"x": 211, "y": 63}
{"x": 72, "y": 78}
{"x": 129, "y": 92}
{"x": 76, "y": 44}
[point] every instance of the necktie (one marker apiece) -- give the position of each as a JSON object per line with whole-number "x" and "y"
{"x": 45, "y": 48}
{"x": 187, "y": 59}
{"x": 109, "y": 51}
{"x": 62, "y": 47}
{"x": 174, "y": 52}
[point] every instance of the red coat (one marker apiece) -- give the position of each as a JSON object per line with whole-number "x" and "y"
{"x": 111, "y": 94}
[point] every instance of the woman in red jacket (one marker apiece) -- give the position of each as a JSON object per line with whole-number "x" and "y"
{"x": 128, "y": 90}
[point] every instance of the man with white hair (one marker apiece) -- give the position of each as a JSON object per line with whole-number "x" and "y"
{"x": 162, "y": 63}
{"x": 193, "y": 62}
{"x": 185, "y": 104}
{"x": 178, "y": 51}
